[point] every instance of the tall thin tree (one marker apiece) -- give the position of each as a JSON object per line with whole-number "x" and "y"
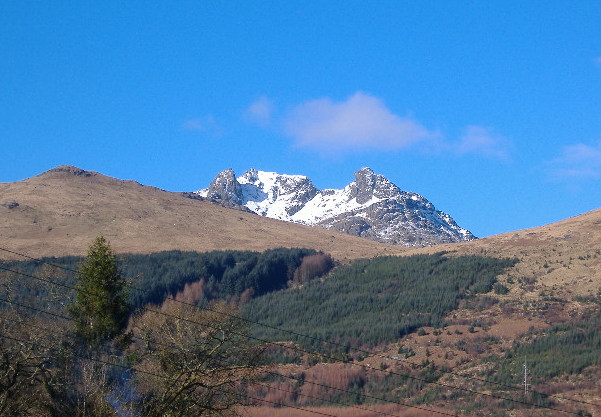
{"x": 101, "y": 304}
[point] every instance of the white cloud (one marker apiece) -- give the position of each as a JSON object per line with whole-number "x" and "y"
{"x": 359, "y": 123}
{"x": 205, "y": 124}
{"x": 579, "y": 161}
{"x": 483, "y": 141}
{"x": 260, "y": 111}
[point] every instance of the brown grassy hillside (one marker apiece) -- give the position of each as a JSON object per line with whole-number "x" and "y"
{"x": 61, "y": 211}
{"x": 557, "y": 280}
{"x": 559, "y": 273}
{"x": 562, "y": 258}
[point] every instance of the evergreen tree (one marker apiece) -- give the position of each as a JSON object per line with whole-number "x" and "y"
{"x": 101, "y": 304}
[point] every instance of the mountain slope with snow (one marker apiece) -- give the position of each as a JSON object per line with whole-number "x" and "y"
{"x": 370, "y": 207}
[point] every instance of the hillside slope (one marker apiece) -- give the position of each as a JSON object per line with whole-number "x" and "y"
{"x": 556, "y": 281}
{"x": 60, "y": 212}
{"x": 562, "y": 258}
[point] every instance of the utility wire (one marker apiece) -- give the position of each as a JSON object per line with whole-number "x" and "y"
{"x": 277, "y": 374}
{"x": 287, "y": 331}
{"x": 325, "y": 356}
{"x": 291, "y": 332}
{"x": 131, "y": 368}
{"x": 369, "y": 354}
{"x": 307, "y": 336}
{"x": 298, "y": 349}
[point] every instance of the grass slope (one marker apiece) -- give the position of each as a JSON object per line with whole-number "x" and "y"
{"x": 61, "y": 211}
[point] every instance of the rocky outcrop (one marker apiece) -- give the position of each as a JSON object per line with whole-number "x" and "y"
{"x": 371, "y": 206}
{"x": 226, "y": 188}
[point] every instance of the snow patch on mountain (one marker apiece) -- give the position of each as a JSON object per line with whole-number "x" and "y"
{"x": 371, "y": 206}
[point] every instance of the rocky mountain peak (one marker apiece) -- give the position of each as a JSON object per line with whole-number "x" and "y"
{"x": 369, "y": 185}
{"x": 225, "y": 187}
{"x": 370, "y": 207}
{"x": 275, "y": 195}
{"x": 366, "y": 174}
{"x": 250, "y": 176}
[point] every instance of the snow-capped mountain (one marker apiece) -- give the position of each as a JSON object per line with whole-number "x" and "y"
{"x": 370, "y": 207}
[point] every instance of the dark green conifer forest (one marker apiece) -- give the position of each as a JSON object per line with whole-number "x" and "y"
{"x": 335, "y": 312}
{"x": 153, "y": 277}
{"x": 377, "y": 300}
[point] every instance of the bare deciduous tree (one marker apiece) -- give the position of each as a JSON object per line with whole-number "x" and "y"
{"x": 200, "y": 360}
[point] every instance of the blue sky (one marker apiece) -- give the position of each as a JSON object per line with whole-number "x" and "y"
{"x": 490, "y": 109}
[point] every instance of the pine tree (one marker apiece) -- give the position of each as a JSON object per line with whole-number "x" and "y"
{"x": 101, "y": 303}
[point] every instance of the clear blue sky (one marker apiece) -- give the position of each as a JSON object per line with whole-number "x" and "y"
{"x": 490, "y": 109}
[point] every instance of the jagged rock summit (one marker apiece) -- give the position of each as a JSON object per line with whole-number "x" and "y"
{"x": 371, "y": 206}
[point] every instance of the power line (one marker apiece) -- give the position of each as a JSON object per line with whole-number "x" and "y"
{"x": 409, "y": 376}
{"x": 266, "y": 371}
{"x": 269, "y": 372}
{"x": 513, "y": 388}
{"x": 307, "y": 336}
{"x": 131, "y": 368}
{"x": 297, "y": 349}
{"x": 328, "y": 357}
{"x": 287, "y": 331}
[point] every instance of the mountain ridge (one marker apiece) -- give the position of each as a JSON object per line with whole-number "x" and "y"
{"x": 371, "y": 206}
{"x": 59, "y": 212}
{"x": 555, "y": 281}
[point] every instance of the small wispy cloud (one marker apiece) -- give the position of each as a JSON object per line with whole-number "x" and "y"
{"x": 576, "y": 162}
{"x": 483, "y": 141}
{"x": 260, "y": 111}
{"x": 361, "y": 122}
{"x": 206, "y": 124}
